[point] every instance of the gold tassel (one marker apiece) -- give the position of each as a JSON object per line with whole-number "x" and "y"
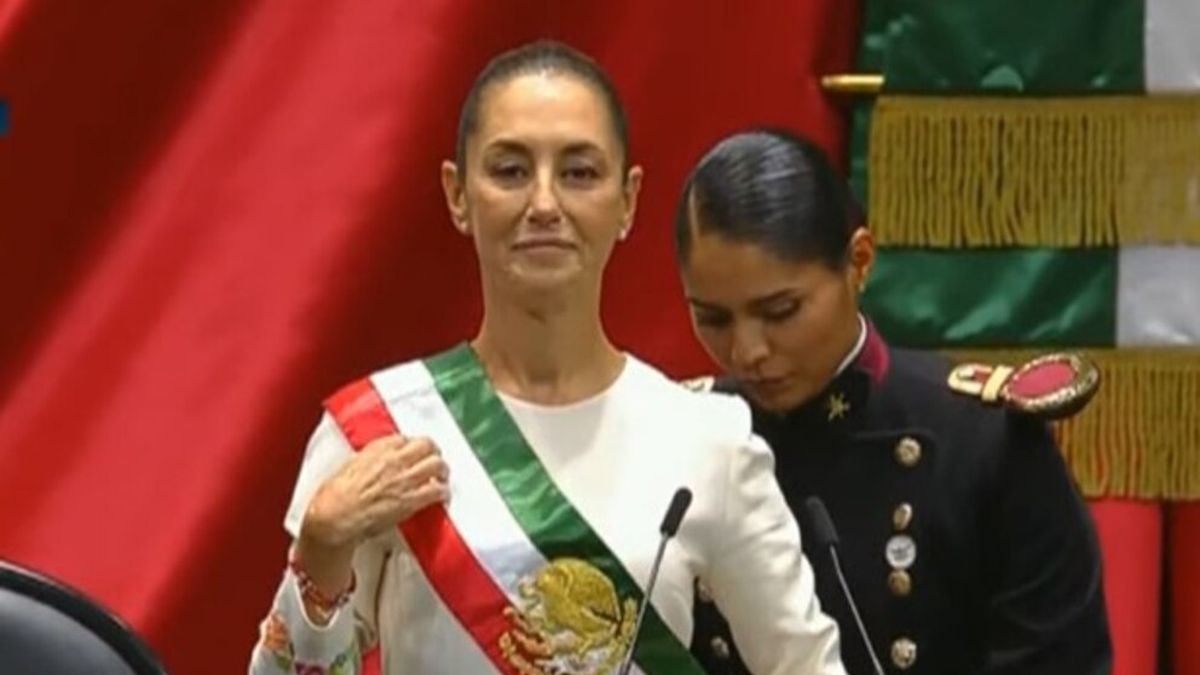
{"x": 1140, "y": 436}
{"x": 1063, "y": 172}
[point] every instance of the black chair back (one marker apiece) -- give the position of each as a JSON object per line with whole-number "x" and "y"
{"x": 47, "y": 628}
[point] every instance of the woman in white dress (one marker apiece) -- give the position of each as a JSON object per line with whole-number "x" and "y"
{"x": 494, "y": 508}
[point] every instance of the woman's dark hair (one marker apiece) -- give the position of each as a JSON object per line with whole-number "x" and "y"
{"x": 771, "y": 188}
{"x": 543, "y": 56}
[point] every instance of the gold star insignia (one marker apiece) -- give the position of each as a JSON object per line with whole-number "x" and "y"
{"x": 837, "y": 405}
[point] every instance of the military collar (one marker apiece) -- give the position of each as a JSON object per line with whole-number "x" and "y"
{"x": 859, "y": 343}
{"x": 839, "y": 406}
{"x": 875, "y": 359}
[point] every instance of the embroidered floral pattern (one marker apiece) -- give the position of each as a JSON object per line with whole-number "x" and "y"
{"x": 277, "y": 642}
{"x": 347, "y": 663}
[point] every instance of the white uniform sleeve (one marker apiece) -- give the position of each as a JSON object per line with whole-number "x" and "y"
{"x": 289, "y": 642}
{"x": 761, "y": 580}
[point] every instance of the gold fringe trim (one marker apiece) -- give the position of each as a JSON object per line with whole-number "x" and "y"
{"x": 1064, "y": 172}
{"x": 1140, "y": 436}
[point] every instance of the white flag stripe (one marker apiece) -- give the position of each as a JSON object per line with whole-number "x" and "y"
{"x": 476, "y": 507}
{"x": 1172, "y": 46}
{"x": 1158, "y": 296}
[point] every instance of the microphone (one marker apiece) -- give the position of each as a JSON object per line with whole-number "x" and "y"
{"x": 670, "y": 525}
{"x": 827, "y": 537}
{"x": 674, "y": 515}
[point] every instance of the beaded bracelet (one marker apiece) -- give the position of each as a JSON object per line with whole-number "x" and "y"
{"x": 311, "y": 594}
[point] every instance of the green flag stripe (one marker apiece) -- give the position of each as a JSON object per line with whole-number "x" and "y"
{"x": 539, "y": 507}
{"x": 1027, "y": 46}
{"x": 995, "y": 297}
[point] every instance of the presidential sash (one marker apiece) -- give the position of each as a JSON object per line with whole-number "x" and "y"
{"x": 509, "y": 555}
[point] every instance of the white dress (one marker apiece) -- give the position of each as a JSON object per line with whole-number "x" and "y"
{"x": 618, "y": 458}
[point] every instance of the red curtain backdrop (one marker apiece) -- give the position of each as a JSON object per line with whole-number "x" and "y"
{"x": 1131, "y": 539}
{"x": 1183, "y": 589}
{"x": 213, "y": 213}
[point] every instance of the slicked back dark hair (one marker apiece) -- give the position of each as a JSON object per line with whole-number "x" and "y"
{"x": 543, "y": 56}
{"x": 772, "y": 188}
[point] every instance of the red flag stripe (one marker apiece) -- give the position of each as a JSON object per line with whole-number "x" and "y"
{"x": 451, "y": 567}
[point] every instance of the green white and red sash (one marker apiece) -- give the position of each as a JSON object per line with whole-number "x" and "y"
{"x": 506, "y": 517}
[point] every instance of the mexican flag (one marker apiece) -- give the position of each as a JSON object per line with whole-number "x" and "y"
{"x": 1032, "y": 173}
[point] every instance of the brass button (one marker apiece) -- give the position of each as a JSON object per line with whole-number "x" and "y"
{"x": 900, "y": 582}
{"x": 904, "y": 653}
{"x": 720, "y": 648}
{"x": 902, "y": 516}
{"x": 702, "y": 592}
{"x": 908, "y": 452}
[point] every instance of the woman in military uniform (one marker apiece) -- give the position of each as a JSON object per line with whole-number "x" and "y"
{"x": 963, "y": 538}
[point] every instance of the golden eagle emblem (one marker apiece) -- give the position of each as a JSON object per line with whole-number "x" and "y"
{"x": 569, "y": 620}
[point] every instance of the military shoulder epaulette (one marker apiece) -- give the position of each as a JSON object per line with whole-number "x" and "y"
{"x": 699, "y": 384}
{"x": 1053, "y": 386}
